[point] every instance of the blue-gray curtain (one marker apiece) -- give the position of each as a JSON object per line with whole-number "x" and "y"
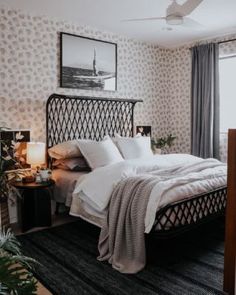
{"x": 205, "y": 101}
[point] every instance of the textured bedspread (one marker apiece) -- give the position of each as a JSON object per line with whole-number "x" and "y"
{"x": 122, "y": 240}
{"x": 186, "y": 174}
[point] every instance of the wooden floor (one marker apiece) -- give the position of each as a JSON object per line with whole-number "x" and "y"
{"x": 42, "y": 290}
{"x": 56, "y": 220}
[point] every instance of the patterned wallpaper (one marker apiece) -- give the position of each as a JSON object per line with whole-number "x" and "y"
{"x": 29, "y": 71}
{"x": 228, "y": 48}
{"x": 178, "y": 97}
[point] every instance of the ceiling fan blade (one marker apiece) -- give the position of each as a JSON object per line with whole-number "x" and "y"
{"x": 183, "y": 10}
{"x": 192, "y": 24}
{"x": 173, "y": 8}
{"x": 187, "y": 7}
{"x": 142, "y": 19}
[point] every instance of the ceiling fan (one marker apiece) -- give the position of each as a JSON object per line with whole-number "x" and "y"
{"x": 176, "y": 14}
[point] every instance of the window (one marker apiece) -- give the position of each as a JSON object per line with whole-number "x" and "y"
{"x": 227, "y": 66}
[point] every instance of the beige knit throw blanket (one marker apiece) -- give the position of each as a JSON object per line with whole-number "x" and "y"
{"x": 122, "y": 238}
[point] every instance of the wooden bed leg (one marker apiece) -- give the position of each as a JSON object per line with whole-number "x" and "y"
{"x": 230, "y": 225}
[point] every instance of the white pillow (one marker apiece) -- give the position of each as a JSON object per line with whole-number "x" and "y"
{"x": 134, "y": 147}
{"x": 100, "y": 153}
{"x": 65, "y": 150}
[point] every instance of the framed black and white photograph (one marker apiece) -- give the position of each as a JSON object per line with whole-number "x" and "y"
{"x": 88, "y": 63}
{"x": 144, "y": 130}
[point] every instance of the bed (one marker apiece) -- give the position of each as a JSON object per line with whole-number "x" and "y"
{"x": 71, "y": 117}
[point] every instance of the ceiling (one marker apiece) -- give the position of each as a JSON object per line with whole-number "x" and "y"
{"x": 216, "y": 16}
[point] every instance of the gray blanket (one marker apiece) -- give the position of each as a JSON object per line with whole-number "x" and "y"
{"x": 122, "y": 238}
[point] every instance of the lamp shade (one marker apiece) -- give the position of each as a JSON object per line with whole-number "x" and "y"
{"x": 35, "y": 153}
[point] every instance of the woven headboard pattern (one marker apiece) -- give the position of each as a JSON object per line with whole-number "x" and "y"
{"x": 73, "y": 117}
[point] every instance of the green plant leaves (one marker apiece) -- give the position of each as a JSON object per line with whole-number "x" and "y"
{"x": 15, "y": 277}
{"x": 162, "y": 142}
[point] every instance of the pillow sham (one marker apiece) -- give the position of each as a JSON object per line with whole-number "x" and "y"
{"x": 134, "y": 147}
{"x": 65, "y": 150}
{"x": 73, "y": 164}
{"x": 100, "y": 153}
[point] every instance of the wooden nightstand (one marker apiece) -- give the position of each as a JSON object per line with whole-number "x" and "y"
{"x": 34, "y": 204}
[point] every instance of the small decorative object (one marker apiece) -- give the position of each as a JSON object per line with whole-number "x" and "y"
{"x": 162, "y": 142}
{"x": 15, "y": 274}
{"x": 27, "y": 179}
{"x": 157, "y": 151}
{"x": 144, "y": 130}
{"x": 88, "y": 63}
{"x": 38, "y": 178}
{"x": 45, "y": 174}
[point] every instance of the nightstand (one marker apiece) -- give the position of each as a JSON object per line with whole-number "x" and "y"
{"x": 34, "y": 204}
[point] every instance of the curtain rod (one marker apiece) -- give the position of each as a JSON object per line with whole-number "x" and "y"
{"x": 226, "y": 41}
{"x": 220, "y": 42}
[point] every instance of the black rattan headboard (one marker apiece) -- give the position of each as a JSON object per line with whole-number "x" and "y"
{"x": 72, "y": 117}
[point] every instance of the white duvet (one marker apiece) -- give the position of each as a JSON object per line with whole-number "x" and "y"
{"x": 181, "y": 176}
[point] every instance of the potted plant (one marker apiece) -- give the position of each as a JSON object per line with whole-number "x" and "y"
{"x": 7, "y": 161}
{"x": 4, "y": 187}
{"x": 159, "y": 144}
{"x": 15, "y": 275}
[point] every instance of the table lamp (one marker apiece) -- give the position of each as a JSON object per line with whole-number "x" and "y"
{"x": 36, "y": 155}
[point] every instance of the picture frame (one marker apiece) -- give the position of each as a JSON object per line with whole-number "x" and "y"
{"x": 144, "y": 130}
{"x": 87, "y": 63}
{"x": 15, "y": 141}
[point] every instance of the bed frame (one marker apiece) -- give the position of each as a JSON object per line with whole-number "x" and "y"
{"x": 72, "y": 117}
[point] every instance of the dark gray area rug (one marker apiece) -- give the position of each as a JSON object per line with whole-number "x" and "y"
{"x": 189, "y": 264}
